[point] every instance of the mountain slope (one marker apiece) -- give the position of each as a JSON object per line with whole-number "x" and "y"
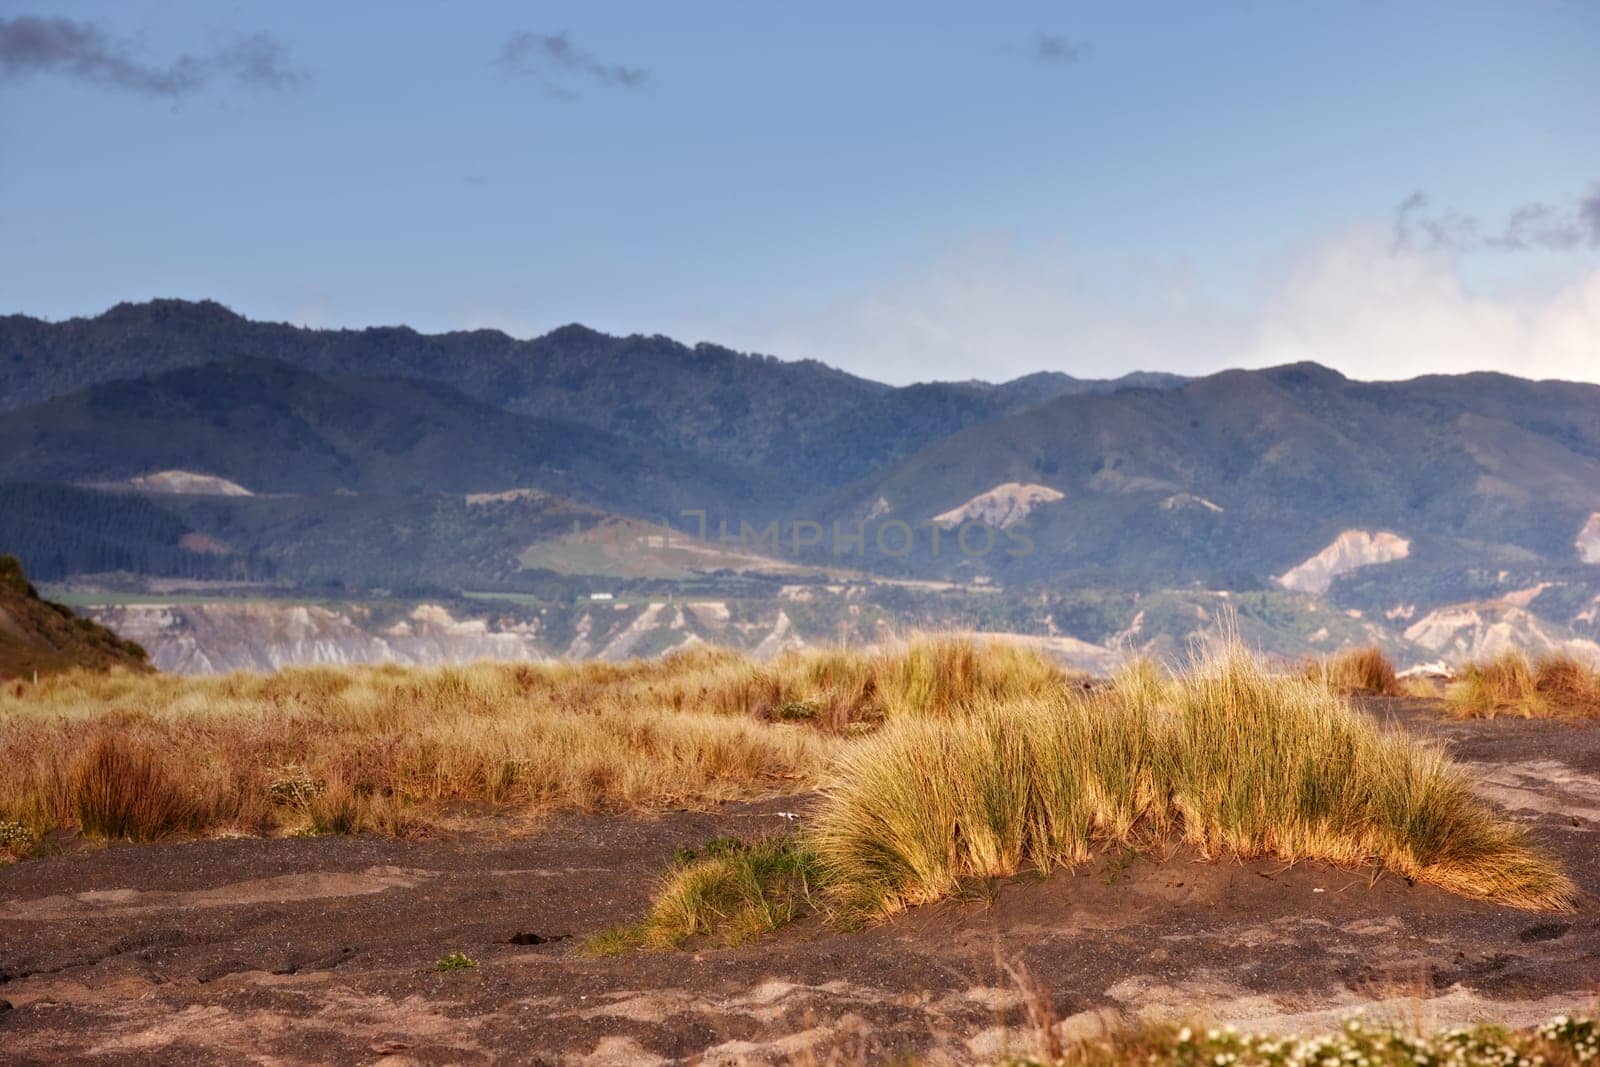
{"x": 1254, "y": 471}
{"x": 38, "y": 636}
{"x": 811, "y": 426}
{"x": 273, "y": 428}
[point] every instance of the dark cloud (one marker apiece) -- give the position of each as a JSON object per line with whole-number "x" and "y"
{"x": 1055, "y": 48}
{"x": 562, "y": 66}
{"x": 260, "y": 60}
{"x": 1589, "y": 215}
{"x": 1531, "y": 227}
{"x": 34, "y": 44}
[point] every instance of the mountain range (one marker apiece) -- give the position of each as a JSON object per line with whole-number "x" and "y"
{"x": 178, "y": 440}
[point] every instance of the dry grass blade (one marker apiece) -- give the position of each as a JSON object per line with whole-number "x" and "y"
{"x": 336, "y": 750}
{"x": 1553, "y": 686}
{"x": 1229, "y": 758}
{"x": 1358, "y": 670}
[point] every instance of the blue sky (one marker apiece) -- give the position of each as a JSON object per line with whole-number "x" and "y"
{"x": 908, "y": 191}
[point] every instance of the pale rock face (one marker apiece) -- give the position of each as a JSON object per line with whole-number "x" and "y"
{"x": 216, "y": 638}
{"x": 1179, "y": 501}
{"x": 1350, "y": 551}
{"x": 622, "y": 645}
{"x": 1588, "y": 543}
{"x": 1462, "y": 633}
{"x": 713, "y": 613}
{"x": 188, "y": 483}
{"x": 1524, "y": 598}
{"x": 782, "y": 639}
{"x": 507, "y": 496}
{"x": 1002, "y": 506}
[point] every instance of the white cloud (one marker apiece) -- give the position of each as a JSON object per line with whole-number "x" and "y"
{"x": 1373, "y": 311}
{"x": 992, "y": 308}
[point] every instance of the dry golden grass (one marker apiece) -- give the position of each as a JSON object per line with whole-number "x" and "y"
{"x": 334, "y": 750}
{"x": 733, "y": 890}
{"x": 1358, "y": 670}
{"x": 1227, "y": 758}
{"x": 986, "y": 761}
{"x": 1553, "y": 686}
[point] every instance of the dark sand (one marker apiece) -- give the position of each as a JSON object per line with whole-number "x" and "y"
{"x": 320, "y": 950}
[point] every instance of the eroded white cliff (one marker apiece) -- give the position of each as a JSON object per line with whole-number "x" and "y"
{"x": 1350, "y": 551}
{"x": 1002, "y": 506}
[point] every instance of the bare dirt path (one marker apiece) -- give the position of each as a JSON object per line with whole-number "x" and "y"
{"x": 321, "y": 950}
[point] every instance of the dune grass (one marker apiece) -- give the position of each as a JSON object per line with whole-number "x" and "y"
{"x": 1358, "y": 670}
{"x": 1226, "y": 757}
{"x": 1552, "y": 686}
{"x": 346, "y": 749}
{"x": 940, "y": 761}
{"x": 733, "y": 892}
{"x": 1230, "y": 759}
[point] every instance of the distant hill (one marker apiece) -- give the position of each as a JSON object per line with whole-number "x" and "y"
{"x": 1251, "y": 472}
{"x": 38, "y": 636}
{"x": 180, "y": 441}
{"x": 61, "y": 530}
{"x": 274, "y": 428}
{"x": 804, "y": 424}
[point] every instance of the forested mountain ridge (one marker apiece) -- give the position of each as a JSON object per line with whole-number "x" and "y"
{"x": 809, "y": 425}
{"x": 193, "y": 448}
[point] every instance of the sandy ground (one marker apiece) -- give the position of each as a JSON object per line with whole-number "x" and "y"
{"x": 321, "y": 950}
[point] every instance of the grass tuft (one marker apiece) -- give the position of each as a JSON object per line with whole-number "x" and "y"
{"x": 1554, "y": 686}
{"x": 1359, "y": 670}
{"x": 340, "y": 750}
{"x": 121, "y": 789}
{"x": 1228, "y": 758}
{"x": 731, "y": 892}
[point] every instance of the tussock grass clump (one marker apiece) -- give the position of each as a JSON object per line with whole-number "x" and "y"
{"x": 363, "y": 749}
{"x": 345, "y": 749}
{"x": 121, "y": 789}
{"x": 836, "y": 689}
{"x": 1227, "y": 758}
{"x": 735, "y": 891}
{"x": 1359, "y": 670}
{"x": 1512, "y": 684}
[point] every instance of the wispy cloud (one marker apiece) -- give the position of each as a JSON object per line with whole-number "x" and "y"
{"x": 36, "y": 44}
{"x": 1001, "y": 305}
{"x": 1531, "y": 227}
{"x": 562, "y": 67}
{"x": 1056, "y": 48}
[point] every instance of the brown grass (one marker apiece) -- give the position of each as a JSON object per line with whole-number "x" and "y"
{"x": 1228, "y": 758}
{"x": 1553, "y": 686}
{"x": 120, "y": 788}
{"x": 949, "y": 761}
{"x": 1359, "y": 670}
{"x": 337, "y": 750}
